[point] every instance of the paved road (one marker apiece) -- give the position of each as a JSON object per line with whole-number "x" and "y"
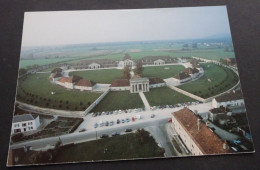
{"x": 146, "y": 104}
{"x": 161, "y": 117}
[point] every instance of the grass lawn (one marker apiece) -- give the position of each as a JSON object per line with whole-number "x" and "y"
{"x": 119, "y": 100}
{"x": 165, "y": 96}
{"x": 118, "y": 147}
{"x": 221, "y": 78}
{"x": 162, "y": 71}
{"x": 36, "y": 90}
{"x": 99, "y": 76}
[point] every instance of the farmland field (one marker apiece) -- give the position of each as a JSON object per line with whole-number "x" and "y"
{"x": 119, "y": 101}
{"x": 105, "y": 76}
{"x": 165, "y": 96}
{"x": 215, "y": 80}
{"x": 36, "y": 90}
{"x": 162, "y": 71}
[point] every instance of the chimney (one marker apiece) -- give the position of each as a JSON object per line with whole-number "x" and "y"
{"x": 198, "y": 123}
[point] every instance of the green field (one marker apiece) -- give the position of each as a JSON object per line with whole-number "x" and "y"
{"x": 36, "y": 90}
{"x": 165, "y": 96}
{"x": 162, "y": 71}
{"x": 119, "y": 101}
{"x": 118, "y": 147}
{"x": 105, "y": 76}
{"x": 221, "y": 79}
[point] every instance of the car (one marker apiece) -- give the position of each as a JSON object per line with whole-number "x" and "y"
{"x": 118, "y": 121}
{"x": 111, "y": 113}
{"x": 104, "y": 136}
{"x": 123, "y": 120}
{"x": 127, "y": 120}
{"x": 115, "y": 133}
{"x": 95, "y": 125}
{"x": 82, "y": 130}
{"x": 99, "y": 113}
{"x": 111, "y": 123}
{"x": 237, "y": 142}
{"x": 128, "y": 130}
{"x": 116, "y": 112}
{"x": 170, "y": 120}
{"x": 119, "y": 111}
{"x": 133, "y": 119}
{"x": 107, "y": 113}
{"x": 125, "y": 111}
{"x": 234, "y": 148}
{"x": 152, "y": 115}
{"x": 106, "y": 123}
{"x": 135, "y": 110}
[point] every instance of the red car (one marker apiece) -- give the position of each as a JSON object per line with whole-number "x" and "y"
{"x": 133, "y": 119}
{"x": 170, "y": 120}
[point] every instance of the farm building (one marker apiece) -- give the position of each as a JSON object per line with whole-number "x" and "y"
{"x": 25, "y": 123}
{"x": 231, "y": 99}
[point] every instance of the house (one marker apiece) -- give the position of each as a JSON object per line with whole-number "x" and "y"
{"x": 68, "y": 82}
{"x": 25, "y": 123}
{"x": 193, "y": 72}
{"x": 55, "y": 76}
{"x": 182, "y": 77}
{"x": 213, "y": 113}
{"x": 156, "y": 82}
{"x": 120, "y": 84}
{"x": 182, "y": 59}
{"x": 195, "y": 63}
{"x": 95, "y": 64}
{"x": 157, "y": 60}
{"x": 127, "y": 61}
{"x": 231, "y": 99}
{"x": 139, "y": 84}
{"x": 84, "y": 85}
{"x": 198, "y": 138}
{"x": 228, "y": 61}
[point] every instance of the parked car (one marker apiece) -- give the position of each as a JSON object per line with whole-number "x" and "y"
{"x": 133, "y": 119}
{"x": 128, "y": 130}
{"x": 125, "y": 111}
{"x": 82, "y": 130}
{"x": 115, "y": 133}
{"x": 152, "y": 115}
{"x": 111, "y": 123}
{"x": 118, "y": 121}
{"x": 127, "y": 120}
{"x": 106, "y": 123}
{"x": 123, "y": 120}
{"x": 95, "y": 125}
{"x": 104, "y": 136}
{"x": 170, "y": 120}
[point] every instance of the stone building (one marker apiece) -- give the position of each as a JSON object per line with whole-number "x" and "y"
{"x": 139, "y": 84}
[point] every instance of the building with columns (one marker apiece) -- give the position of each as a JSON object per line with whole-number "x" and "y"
{"x": 139, "y": 84}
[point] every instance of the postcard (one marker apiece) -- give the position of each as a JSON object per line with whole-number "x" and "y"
{"x": 106, "y": 85}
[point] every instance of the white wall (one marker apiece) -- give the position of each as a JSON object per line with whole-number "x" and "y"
{"x": 123, "y": 88}
{"x": 157, "y": 85}
{"x": 29, "y": 125}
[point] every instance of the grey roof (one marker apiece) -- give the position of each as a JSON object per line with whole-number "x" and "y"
{"x": 234, "y": 95}
{"x": 22, "y": 118}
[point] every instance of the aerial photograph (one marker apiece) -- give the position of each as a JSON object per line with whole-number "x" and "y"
{"x": 107, "y": 85}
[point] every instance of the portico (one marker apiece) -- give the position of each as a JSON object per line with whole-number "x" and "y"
{"x": 140, "y": 84}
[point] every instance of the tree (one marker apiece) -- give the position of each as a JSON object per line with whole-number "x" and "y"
{"x": 126, "y": 72}
{"x": 139, "y": 68}
{"x": 22, "y": 71}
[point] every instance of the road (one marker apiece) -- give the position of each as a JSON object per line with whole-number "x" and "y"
{"x": 161, "y": 117}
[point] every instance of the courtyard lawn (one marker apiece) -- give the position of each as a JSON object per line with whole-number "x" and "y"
{"x": 118, "y": 147}
{"x": 162, "y": 72}
{"x": 119, "y": 101}
{"x": 36, "y": 90}
{"x": 216, "y": 79}
{"x": 105, "y": 76}
{"x": 165, "y": 96}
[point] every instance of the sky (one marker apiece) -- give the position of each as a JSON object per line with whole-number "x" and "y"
{"x": 99, "y": 26}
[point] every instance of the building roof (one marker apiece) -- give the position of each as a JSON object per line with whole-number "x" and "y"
{"x": 220, "y": 110}
{"x": 190, "y": 70}
{"x": 85, "y": 83}
{"x": 154, "y": 58}
{"x": 127, "y": 57}
{"x": 205, "y": 139}
{"x": 155, "y": 80}
{"x": 97, "y": 61}
{"x": 56, "y": 75}
{"x": 137, "y": 78}
{"x": 194, "y": 63}
{"x": 234, "y": 95}
{"x": 120, "y": 83}
{"x": 25, "y": 117}
{"x": 71, "y": 79}
{"x": 181, "y": 76}
{"x": 56, "y": 70}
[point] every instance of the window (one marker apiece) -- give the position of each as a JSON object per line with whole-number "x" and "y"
{"x": 16, "y": 125}
{"x": 24, "y": 124}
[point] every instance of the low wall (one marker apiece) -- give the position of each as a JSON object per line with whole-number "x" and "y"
{"x": 96, "y": 102}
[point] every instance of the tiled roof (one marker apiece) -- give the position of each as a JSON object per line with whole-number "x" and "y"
{"x": 190, "y": 70}
{"x": 56, "y": 75}
{"x": 234, "y": 95}
{"x": 71, "y": 79}
{"x": 85, "y": 83}
{"x": 194, "y": 63}
{"x": 205, "y": 139}
{"x": 22, "y": 118}
{"x": 181, "y": 76}
{"x": 155, "y": 80}
{"x": 120, "y": 83}
{"x": 56, "y": 70}
{"x": 127, "y": 57}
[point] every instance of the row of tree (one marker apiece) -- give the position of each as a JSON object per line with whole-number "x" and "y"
{"x": 127, "y": 69}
